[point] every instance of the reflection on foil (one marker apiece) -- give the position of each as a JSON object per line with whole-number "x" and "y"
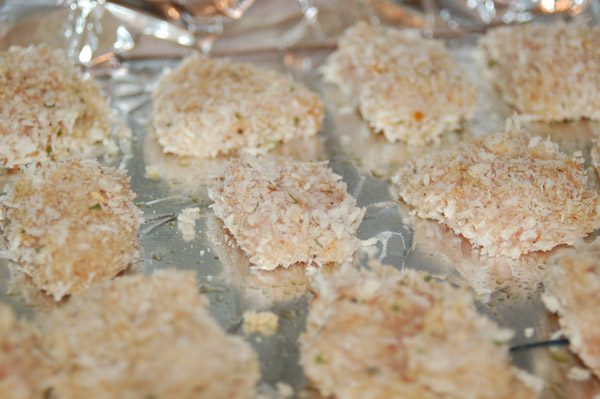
{"x": 570, "y": 136}
{"x": 21, "y": 286}
{"x": 183, "y": 174}
{"x": 485, "y": 275}
{"x": 383, "y": 223}
{"x": 82, "y": 29}
{"x": 478, "y": 14}
{"x": 149, "y": 25}
{"x": 260, "y": 288}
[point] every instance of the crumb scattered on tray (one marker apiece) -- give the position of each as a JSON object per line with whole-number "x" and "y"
{"x": 407, "y": 87}
{"x": 507, "y": 193}
{"x": 528, "y": 332}
{"x": 265, "y": 323}
{"x": 69, "y": 224}
{"x": 186, "y": 223}
{"x": 579, "y": 374}
{"x": 284, "y": 390}
{"x": 229, "y": 107}
{"x": 47, "y": 110}
{"x": 283, "y": 212}
{"x": 548, "y": 72}
{"x": 404, "y": 334}
{"x": 152, "y": 172}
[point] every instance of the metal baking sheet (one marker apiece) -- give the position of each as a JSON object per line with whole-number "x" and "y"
{"x": 507, "y": 291}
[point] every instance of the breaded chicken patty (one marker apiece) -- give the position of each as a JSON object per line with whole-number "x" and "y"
{"x": 145, "y": 337}
{"x": 284, "y": 212}
{"x": 407, "y": 87}
{"x": 381, "y": 334}
{"x": 69, "y": 224}
{"x": 507, "y": 193}
{"x": 548, "y": 72}
{"x": 206, "y": 107}
{"x": 47, "y": 110}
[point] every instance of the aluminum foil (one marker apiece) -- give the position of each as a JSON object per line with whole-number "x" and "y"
{"x": 507, "y": 291}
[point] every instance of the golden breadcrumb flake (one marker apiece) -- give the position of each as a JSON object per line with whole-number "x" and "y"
{"x": 207, "y": 107}
{"x": 283, "y": 212}
{"x": 548, "y": 72}
{"x": 379, "y": 333}
{"x": 69, "y": 224}
{"x": 507, "y": 193}
{"x": 409, "y": 88}
{"x": 265, "y": 323}
{"x": 47, "y": 110}
{"x": 146, "y": 337}
{"x": 23, "y": 368}
{"x": 573, "y": 291}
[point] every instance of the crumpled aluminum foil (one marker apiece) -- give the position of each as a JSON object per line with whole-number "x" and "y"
{"x": 95, "y": 31}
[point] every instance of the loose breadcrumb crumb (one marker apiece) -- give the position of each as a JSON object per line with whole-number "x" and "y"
{"x": 284, "y": 390}
{"x": 507, "y": 193}
{"x": 47, "y": 111}
{"x": 408, "y": 88}
{"x": 283, "y": 212}
{"x": 528, "y": 332}
{"x": 573, "y": 291}
{"x": 24, "y": 370}
{"x": 548, "y": 72}
{"x": 265, "y": 323}
{"x": 381, "y": 333}
{"x": 579, "y": 374}
{"x": 152, "y": 172}
{"x": 69, "y": 224}
{"x": 207, "y": 107}
{"x": 146, "y": 337}
{"x": 186, "y": 223}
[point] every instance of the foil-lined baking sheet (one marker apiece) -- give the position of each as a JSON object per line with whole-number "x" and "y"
{"x": 507, "y": 290}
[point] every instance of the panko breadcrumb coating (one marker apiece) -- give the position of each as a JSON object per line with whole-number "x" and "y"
{"x": 383, "y": 334}
{"x": 69, "y": 224}
{"x": 573, "y": 291}
{"x": 206, "y": 107}
{"x": 548, "y": 72}
{"x": 283, "y": 212}
{"x": 507, "y": 193}
{"x": 146, "y": 337}
{"x": 23, "y": 369}
{"x": 407, "y": 87}
{"x": 47, "y": 111}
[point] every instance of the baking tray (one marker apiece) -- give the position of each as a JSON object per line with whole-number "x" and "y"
{"x": 507, "y": 291}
